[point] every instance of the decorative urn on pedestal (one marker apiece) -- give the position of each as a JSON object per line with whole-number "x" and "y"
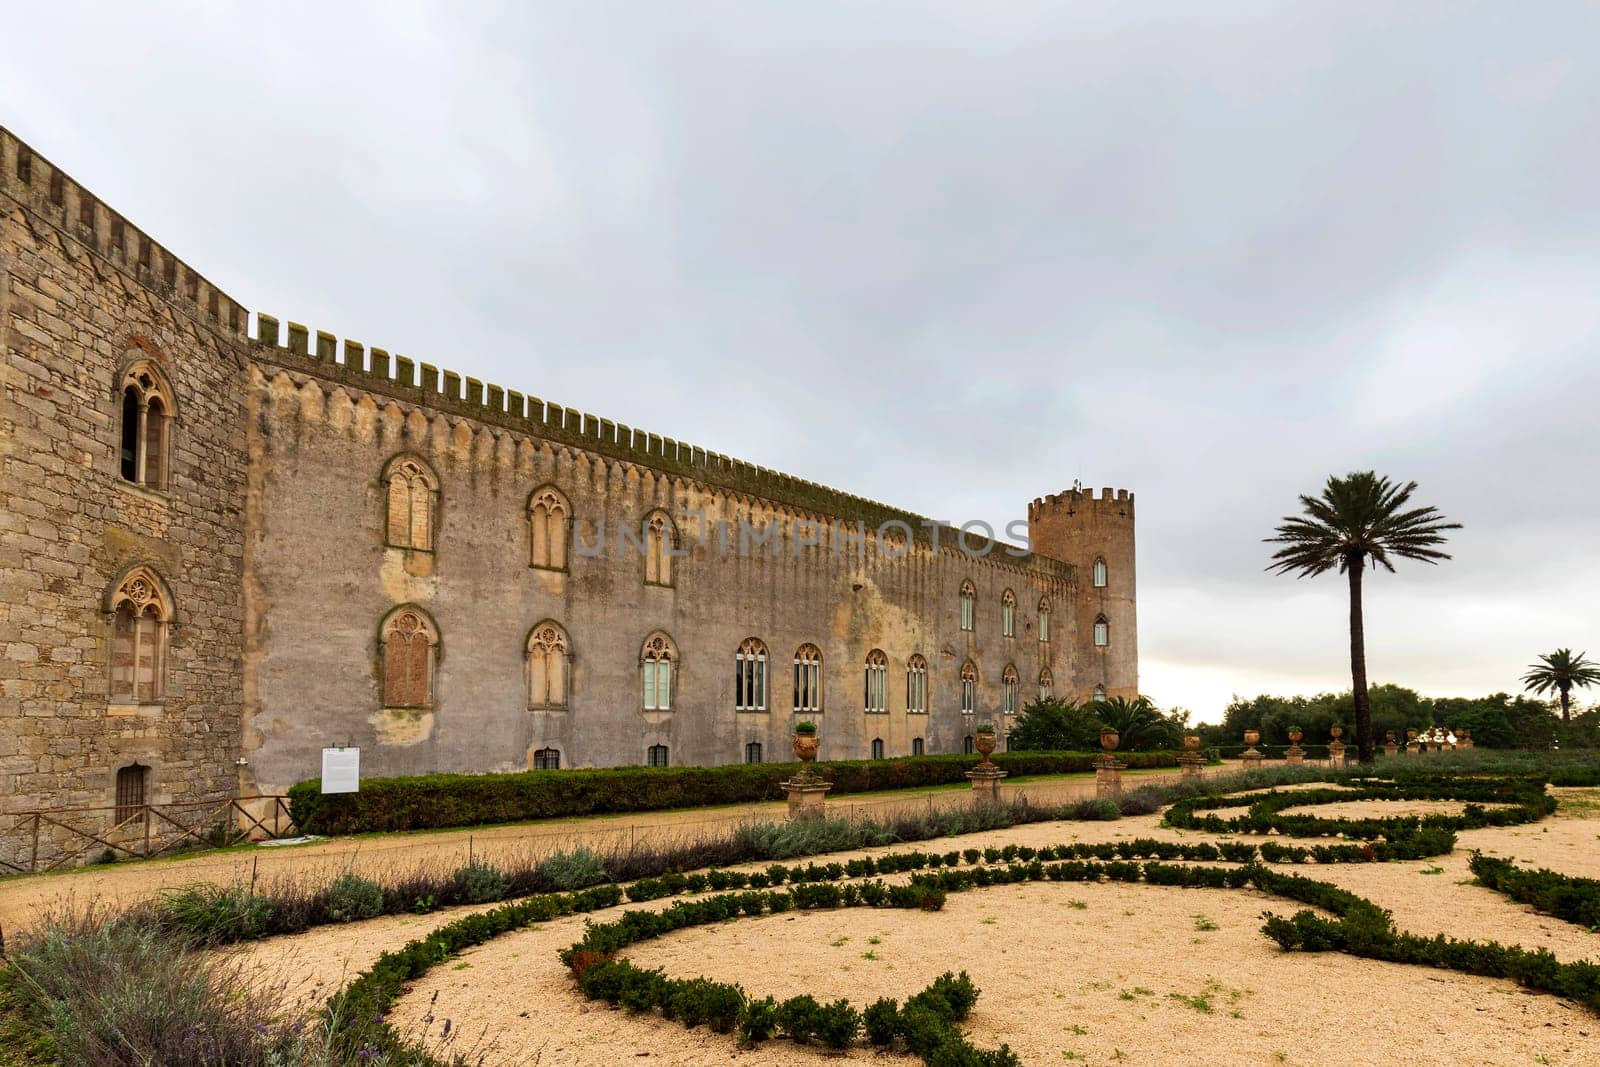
{"x": 985, "y": 777}
{"x": 806, "y": 789}
{"x": 1336, "y": 746}
{"x": 1295, "y": 754}
{"x": 1107, "y": 771}
{"x": 1251, "y": 755}
{"x": 1190, "y": 759}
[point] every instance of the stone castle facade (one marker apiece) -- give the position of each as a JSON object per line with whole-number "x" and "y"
{"x": 220, "y": 553}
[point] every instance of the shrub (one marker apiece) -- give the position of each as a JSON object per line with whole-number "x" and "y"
{"x": 758, "y": 1020}
{"x": 351, "y": 897}
{"x": 837, "y": 1024}
{"x": 799, "y": 1017}
{"x": 215, "y": 915}
{"x": 443, "y": 800}
{"x": 479, "y": 883}
{"x": 1102, "y": 809}
{"x": 574, "y": 870}
{"x": 882, "y": 1021}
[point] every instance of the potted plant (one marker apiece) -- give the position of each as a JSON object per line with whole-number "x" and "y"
{"x": 806, "y": 741}
{"x": 1295, "y": 734}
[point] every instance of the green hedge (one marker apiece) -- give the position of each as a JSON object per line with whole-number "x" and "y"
{"x": 435, "y": 801}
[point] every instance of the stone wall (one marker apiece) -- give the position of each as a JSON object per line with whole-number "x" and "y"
{"x": 81, "y": 295}
{"x": 320, "y": 581}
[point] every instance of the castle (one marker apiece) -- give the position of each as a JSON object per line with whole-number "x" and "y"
{"x": 220, "y": 553}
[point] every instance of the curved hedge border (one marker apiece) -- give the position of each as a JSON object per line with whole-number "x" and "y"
{"x": 438, "y": 801}
{"x": 1573, "y": 899}
{"x": 1525, "y": 797}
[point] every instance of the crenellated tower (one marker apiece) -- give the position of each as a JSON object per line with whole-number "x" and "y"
{"x": 1095, "y": 535}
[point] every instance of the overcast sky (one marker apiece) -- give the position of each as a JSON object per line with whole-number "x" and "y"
{"x": 948, "y": 256}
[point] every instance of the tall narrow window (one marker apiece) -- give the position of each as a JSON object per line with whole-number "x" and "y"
{"x": 1008, "y": 614}
{"x": 969, "y": 596}
{"x": 548, "y": 657}
{"x": 1102, "y": 632}
{"x": 1099, "y": 692}
{"x": 916, "y": 686}
{"x": 1008, "y": 690}
{"x": 146, "y": 417}
{"x": 411, "y": 492}
{"x": 549, "y": 517}
{"x": 808, "y": 679}
{"x": 1099, "y": 574}
{"x": 547, "y": 759}
{"x": 660, "y": 540}
{"x": 140, "y": 614}
{"x": 966, "y": 745}
{"x": 1044, "y": 620}
{"x": 1047, "y": 683}
{"x": 916, "y": 746}
{"x": 657, "y": 659}
{"x": 410, "y": 648}
{"x": 752, "y": 752}
{"x": 750, "y": 676}
{"x": 969, "y": 688}
{"x": 656, "y": 756}
{"x": 875, "y": 699}
{"x": 131, "y": 781}
{"x": 877, "y": 748}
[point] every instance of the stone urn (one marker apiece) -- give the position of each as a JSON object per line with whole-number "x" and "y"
{"x": 1191, "y": 742}
{"x": 1336, "y": 732}
{"x": 806, "y": 746}
{"x": 1295, "y": 735}
{"x": 983, "y": 741}
{"x": 1388, "y": 735}
{"x": 1411, "y": 735}
{"x": 1108, "y": 740}
{"x": 1252, "y": 738}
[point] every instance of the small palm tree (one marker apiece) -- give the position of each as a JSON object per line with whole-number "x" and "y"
{"x": 1560, "y": 672}
{"x": 1359, "y": 517}
{"x": 1139, "y": 723}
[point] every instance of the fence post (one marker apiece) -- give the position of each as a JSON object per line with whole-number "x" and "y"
{"x": 146, "y": 831}
{"x": 33, "y": 864}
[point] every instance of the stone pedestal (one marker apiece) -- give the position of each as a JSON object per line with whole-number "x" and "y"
{"x": 1336, "y": 753}
{"x": 1294, "y": 754}
{"x": 1251, "y": 759}
{"x": 1464, "y": 742}
{"x": 1192, "y": 764}
{"x": 1108, "y": 777}
{"x": 805, "y": 797}
{"x": 1412, "y": 748}
{"x": 1390, "y": 748}
{"x": 985, "y": 778}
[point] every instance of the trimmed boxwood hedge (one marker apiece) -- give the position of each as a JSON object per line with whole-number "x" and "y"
{"x": 437, "y": 801}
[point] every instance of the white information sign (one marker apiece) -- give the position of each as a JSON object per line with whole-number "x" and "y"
{"x": 341, "y": 770}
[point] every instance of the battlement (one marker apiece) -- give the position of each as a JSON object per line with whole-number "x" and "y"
{"x": 295, "y": 347}
{"x": 49, "y": 193}
{"x": 1118, "y": 502}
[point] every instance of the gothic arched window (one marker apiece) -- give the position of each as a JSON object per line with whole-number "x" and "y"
{"x": 1099, "y": 692}
{"x": 750, "y": 676}
{"x": 660, "y": 540}
{"x": 969, "y": 687}
{"x": 146, "y": 426}
{"x": 1046, "y": 683}
{"x": 548, "y": 659}
{"x": 1008, "y": 614}
{"x": 808, "y": 679}
{"x": 876, "y": 696}
{"x": 1008, "y": 690}
{"x": 1100, "y": 574}
{"x": 410, "y": 652}
{"x": 411, "y": 496}
{"x": 549, "y": 520}
{"x": 752, "y": 752}
{"x": 916, "y": 685}
{"x": 656, "y": 660}
{"x": 140, "y": 614}
{"x": 877, "y": 748}
{"x": 1102, "y": 631}
{"x": 969, "y": 596}
{"x": 1044, "y": 619}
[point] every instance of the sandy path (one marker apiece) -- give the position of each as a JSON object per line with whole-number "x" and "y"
{"x": 380, "y": 856}
{"x": 1091, "y": 971}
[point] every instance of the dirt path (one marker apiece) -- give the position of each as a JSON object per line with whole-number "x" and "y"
{"x": 386, "y": 855}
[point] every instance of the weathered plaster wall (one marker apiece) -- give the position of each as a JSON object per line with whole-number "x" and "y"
{"x": 321, "y": 580}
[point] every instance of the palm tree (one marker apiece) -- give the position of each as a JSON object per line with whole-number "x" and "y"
{"x": 1560, "y": 671}
{"x": 1139, "y": 723}
{"x": 1359, "y": 517}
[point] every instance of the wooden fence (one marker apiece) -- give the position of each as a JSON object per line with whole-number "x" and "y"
{"x": 60, "y": 837}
